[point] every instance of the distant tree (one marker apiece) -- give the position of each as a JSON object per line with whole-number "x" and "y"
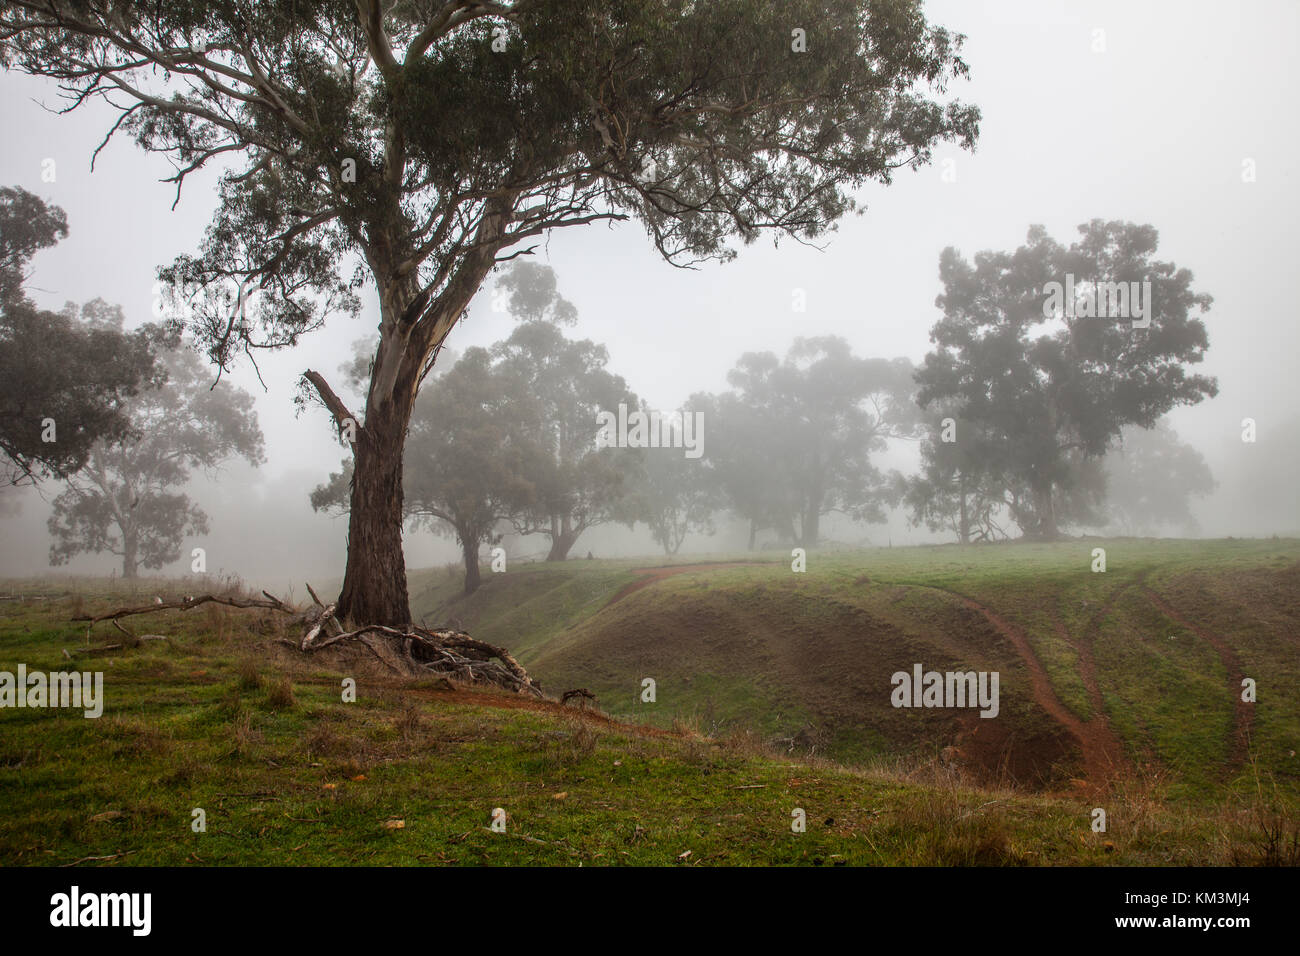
{"x": 124, "y": 501}
{"x": 672, "y": 494}
{"x": 1151, "y": 478}
{"x": 331, "y": 496}
{"x": 960, "y": 487}
{"x": 1051, "y": 390}
{"x": 534, "y": 295}
{"x": 743, "y": 464}
{"x": 27, "y": 225}
{"x": 803, "y": 432}
{"x": 64, "y": 377}
{"x": 1078, "y": 495}
{"x": 473, "y": 444}
{"x": 578, "y": 485}
{"x": 428, "y": 139}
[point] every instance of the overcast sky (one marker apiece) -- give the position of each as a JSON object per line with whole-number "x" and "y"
{"x": 1153, "y": 129}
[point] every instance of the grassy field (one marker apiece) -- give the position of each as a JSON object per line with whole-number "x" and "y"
{"x": 1144, "y": 661}
{"x": 772, "y": 696}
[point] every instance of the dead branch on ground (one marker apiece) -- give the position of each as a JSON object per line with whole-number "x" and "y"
{"x": 444, "y": 651}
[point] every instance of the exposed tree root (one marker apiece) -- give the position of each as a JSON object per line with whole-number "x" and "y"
{"x": 412, "y": 652}
{"x": 447, "y": 652}
{"x": 580, "y": 694}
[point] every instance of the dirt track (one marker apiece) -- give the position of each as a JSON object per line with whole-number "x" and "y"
{"x": 651, "y": 575}
{"x": 1103, "y": 754}
{"x": 1243, "y": 714}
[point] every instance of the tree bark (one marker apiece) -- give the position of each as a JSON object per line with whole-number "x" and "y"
{"x": 563, "y": 538}
{"x": 374, "y": 584}
{"x": 130, "y": 548}
{"x": 469, "y": 548}
{"x": 1046, "y": 511}
{"x": 964, "y": 530}
{"x": 561, "y": 545}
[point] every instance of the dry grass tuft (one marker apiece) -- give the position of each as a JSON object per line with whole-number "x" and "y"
{"x": 279, "y": 694}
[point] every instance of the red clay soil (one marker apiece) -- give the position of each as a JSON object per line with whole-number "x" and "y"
{"x": 1088, "y": 670}
{"x": 1087, "y": 666}
{"x": 1243, "y": 713}
{"x": 651, "y": 575}
{"x": 1103, "y": 754}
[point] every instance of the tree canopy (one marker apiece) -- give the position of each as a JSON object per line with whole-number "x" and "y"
{"x": 1049, "y": 389}
{"x": 794, "y": 441}
{"x": 124, "y": 501}
{"x": 422, "y": 142}
{"x": 65, "y": 377}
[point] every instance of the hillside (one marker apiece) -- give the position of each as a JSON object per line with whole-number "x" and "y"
{"x": 221, "y": 717}
{"x": 1136, "y": 670}
{"x": 1114, "y": 695}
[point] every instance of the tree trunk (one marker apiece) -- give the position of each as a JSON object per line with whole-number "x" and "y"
{"x": 784, "y": 527}
{"x": 374, "y": 584}
{"x": 561, "y": 545}
{"x": 130, "y": 548}
{"x": 469, "y": 547}
{"x": 563, "y": 538}
{"x": 811, "y": 528}
{"x": 1046, "y": 510}
{"x": 753, "y": 533}
{"x": 964, "y": 530}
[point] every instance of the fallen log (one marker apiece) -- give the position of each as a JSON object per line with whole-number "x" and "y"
{"x": 271, "y": 603}
{"x": 445, "y": 651}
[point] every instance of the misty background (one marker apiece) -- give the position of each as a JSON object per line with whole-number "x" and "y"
{"x": 1154, "y": 128}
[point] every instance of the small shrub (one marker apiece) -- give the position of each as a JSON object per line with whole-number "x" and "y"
{"x": 279, "y": 695}
{"x": 249, "y": 678}
{"x": 410, "y": 722}
{"x": 245, "y": 737}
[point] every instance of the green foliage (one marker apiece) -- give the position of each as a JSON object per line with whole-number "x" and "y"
{"x": 426, "y": 142}
{"x": 1151, "y": 478}
{"x": 674, "y": 495}
{"x": 1048, "y": 394}
{"x": 957, "y": 489}
{"x": 27, "y": 225}
{"x": 795, "y": 439}
{"x": 547, "y": 112}
{"x": 472, "y": 454}
{"x": 564, "y": 384}
{"x": 121, "y": 502}
{"x": 77, "y": 368}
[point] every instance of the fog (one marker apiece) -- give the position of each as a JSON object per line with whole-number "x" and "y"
{"x": 1153, "y": 129}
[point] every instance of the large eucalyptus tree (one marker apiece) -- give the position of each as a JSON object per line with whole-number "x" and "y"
{"x": 425, "y": 141}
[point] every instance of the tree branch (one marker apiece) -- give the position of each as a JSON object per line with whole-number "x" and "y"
{"x": 332, "y": 402}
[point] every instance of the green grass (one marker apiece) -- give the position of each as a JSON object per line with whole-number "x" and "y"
{"x": 222, "y": 717}
{"x": 784, "y": 655}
